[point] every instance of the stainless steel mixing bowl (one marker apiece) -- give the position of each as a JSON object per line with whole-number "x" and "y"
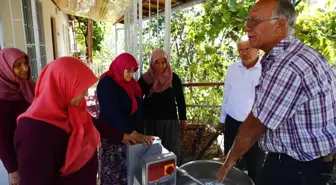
{"x": 205, "y": 171}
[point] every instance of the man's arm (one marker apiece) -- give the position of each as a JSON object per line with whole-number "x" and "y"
{"x": 248, "y": 134}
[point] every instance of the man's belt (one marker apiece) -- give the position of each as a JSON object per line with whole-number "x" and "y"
{"x": 282, "y": 156}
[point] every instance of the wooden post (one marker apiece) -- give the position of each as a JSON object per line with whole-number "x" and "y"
{"x": 90, "y": 44}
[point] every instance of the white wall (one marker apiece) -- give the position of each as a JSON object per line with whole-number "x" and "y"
{"x": 62, "y": 21}
{"x": 13, "y": 29}
{"x": 11, "y": 18}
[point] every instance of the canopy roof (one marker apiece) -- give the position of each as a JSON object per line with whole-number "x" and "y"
{"x": 99, "y": 10}
{"x": 113, "y": 10}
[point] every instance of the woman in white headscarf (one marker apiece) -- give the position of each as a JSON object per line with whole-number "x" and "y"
{"x": 163, "y": 92}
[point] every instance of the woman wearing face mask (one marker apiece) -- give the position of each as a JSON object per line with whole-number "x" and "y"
{"x": 56, "y": 139}
{"x": 163, "y": 91}
{"x": 119, "y": 97}
{"x": 16, "y": 94}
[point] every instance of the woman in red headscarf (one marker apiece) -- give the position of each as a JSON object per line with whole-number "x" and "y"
{"x": 16, "y": 94}
{"x": 163, "y": 92}
{"x": 56, "y": 139}
{"x": 119, "y": 97}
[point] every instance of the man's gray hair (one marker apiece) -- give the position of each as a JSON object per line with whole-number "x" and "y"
{"x": 243, "y": 39}
{"x": 285, "y": 9}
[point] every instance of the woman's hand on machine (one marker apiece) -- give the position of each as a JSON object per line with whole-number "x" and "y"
{"x": 128, "y": 139}
{"x": 148, "y": 140}
{"x": 14, "y": 178}
{"x": 139, "y": 138}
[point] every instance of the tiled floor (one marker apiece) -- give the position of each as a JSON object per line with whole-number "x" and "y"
{"x": 3, "y": 175}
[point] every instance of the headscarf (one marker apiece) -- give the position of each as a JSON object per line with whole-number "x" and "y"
{"x": 11, "y": 87}
{"x": 160, "y": 81}
{"x": 60, "y": 82}
{"x": 116, "y": 72}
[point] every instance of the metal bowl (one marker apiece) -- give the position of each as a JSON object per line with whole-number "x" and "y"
{"x": 205, "y": 171}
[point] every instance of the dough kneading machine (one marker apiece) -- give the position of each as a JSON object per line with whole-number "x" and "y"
{"x": 152, "y": 165}
{"x": 155, "y": 165}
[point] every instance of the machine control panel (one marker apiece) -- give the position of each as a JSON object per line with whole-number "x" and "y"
{"x": 152, "y": 165}
{"x": 158, "y": 170}
{"x": 169, "y": 169}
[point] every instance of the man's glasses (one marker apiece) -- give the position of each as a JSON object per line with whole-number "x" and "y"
{"x": 252, "y": 22}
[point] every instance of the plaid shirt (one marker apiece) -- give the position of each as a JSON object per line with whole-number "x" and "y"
{"x": 296, "y": 101}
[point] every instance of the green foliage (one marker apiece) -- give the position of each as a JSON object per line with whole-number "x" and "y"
{"x": 107, "y": 51}
{"x": 318, "y": 29}
{"x": 97, "y": 36}
{"x": 81, "y": 29}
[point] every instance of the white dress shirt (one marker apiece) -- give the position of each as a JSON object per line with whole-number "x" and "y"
{"x": 239, "y": 90}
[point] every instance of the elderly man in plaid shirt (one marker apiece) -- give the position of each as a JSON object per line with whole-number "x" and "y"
{"x": 294, "y": 114}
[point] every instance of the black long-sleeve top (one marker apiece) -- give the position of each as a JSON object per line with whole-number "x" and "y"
{"x": 162, "y": 106}
{"x": 116, "y": 106}
{"x": 41, "y": 149}
{"x": 9, "y": 111}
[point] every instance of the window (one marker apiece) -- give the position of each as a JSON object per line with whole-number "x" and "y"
{"x": 2, "y": 41}
{"x": 41, "y": 34}
{"x": 30, "y": 38}
{"x": 66, "y": 39}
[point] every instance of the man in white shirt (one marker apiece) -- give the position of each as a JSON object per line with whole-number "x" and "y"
{"x": 238, "y": 99}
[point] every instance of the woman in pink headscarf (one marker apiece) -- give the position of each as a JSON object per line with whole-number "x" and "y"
{"x": 163, "y": 90}
{"x": 120, "y": 99}
{"x": 56, "y": 139}
{"x": 16, "y": 94}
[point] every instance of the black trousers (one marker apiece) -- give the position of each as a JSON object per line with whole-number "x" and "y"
{"x": 281, "y": 169}
{"x": 253, "y": 159}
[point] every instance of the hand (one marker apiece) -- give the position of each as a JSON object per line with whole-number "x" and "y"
{"x": 128, "y": 139}
{"x": 224, "y": 170}
{"x": 184, "y": 124}
{"x": 14, "y": 178}
{"x": 148, "y": 140}
{"x": 139, "y": 138}
{"x": 86, "y": 93}
{"x": 221, "y": 127}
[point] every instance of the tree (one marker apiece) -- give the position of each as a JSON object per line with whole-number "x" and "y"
{"x": 318, "y": 28}
{"x": 81, "y": 29}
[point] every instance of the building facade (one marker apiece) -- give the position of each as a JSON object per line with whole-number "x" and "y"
{"x": 37, "y": 27}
